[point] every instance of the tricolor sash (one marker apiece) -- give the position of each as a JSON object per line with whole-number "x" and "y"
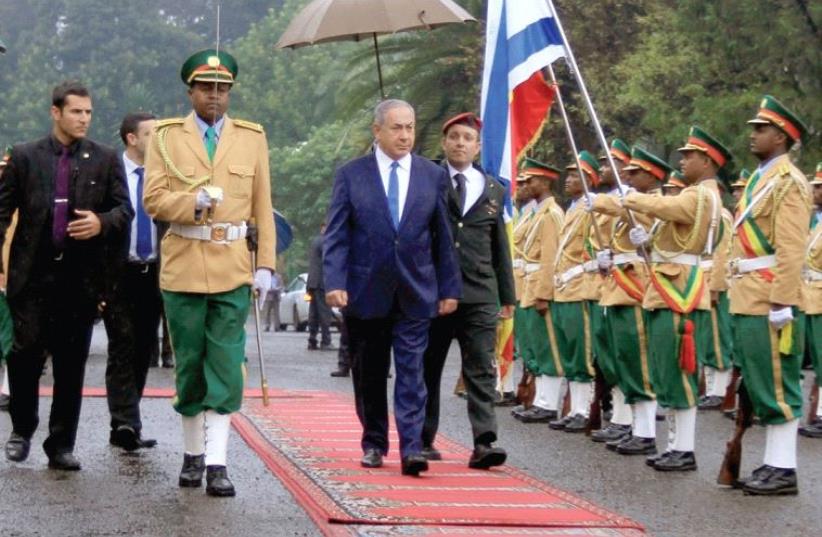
{"x": 751, "y": 237}
{"x": 630, "y": 284}
{"x": 686, "y": 300}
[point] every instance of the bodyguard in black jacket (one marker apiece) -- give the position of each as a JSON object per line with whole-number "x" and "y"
{"x": 475, "y": 209}
{"x": 72, "y": 200}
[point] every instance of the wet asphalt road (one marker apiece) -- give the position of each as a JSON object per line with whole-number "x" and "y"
{"x": 124, "y": 494}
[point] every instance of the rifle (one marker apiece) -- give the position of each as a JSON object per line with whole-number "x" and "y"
{"x": 729, "y": 471}
{"x": 812, "y": 415}
{"x": 526, "y": 389}
{"x": 729, "y": 401}
{"x": 251, "y": 242}
{"x": 595, "y": 411}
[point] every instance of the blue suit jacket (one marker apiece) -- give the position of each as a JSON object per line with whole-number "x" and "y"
{"x": 413, "y": 267}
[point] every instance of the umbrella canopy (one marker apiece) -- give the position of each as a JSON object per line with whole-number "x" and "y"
{"x": 2, "y": 47}
{"x": 284, "y": 233}
{"x": 336, "y": 20}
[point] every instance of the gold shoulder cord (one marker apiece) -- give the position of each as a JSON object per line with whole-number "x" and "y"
{"x": 689, "y": 241}
{"x": 161, "y": 145}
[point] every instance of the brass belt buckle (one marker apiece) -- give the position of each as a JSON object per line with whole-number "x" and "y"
{"x": 219, "y": 232}
{"x": 733, "y": 268}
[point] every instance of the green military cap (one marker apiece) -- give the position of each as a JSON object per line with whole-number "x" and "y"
{"x": 742, "y": 179}
{"x": 645, "y": 160}
{"x": 699, "y": 140}
{"x": 534, "y": 167}
{"x": 210, "y": 66}
{"x": 772, "y": 112}
{"x": 817, "y": 179}
{"x": 675, "y": 180}
{"x": 590, "y": 165}
{"x": 4, "y": 160}
{"x": 619, "y": 150}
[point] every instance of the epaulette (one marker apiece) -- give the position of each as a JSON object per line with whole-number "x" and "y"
{"x": 169, "y": 122}
{"x": 249, "y": 125}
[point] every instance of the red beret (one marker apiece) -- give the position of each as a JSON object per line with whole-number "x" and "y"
{"x": 466, "y": 118}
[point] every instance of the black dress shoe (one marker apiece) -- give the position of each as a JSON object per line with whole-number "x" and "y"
{"x": 312, "y": 347}
{"x": 536, "y": 414}
{"x": 64, "y": 461}
{"x": 485, "y": 456}
{"x": 637, "y": 446}
{"x": 4, "y": 402}
{"x": 17, "y": 448}
{"x": 328, "y": 347}
{"x": 414, "y": 464}
{"x": 168, "y": 361}
{"x": 773, "y": 482}
{"x": 125, "y": 437}
{"x": 431, "y": 453}
{"x": 371, "y": 459}
{"x": 341, "y": 372}
{"x": 559, "y": 425}
{"x": 814, "y": 430}
{"x": 612, "y": 432}
{"x": 147, "y": 443}
{"x": 577, "y": 424}
{"x": 519, "y": 409}
{"x": 710, "y": 402}
{"x": 756, "y": 474}
{"x": 507, "y": 399}
{"x": 192, "y": 473}
{"x": 650, "y": 461}
{"x": 218, "y": 483}
{"x": 676, "y": 461}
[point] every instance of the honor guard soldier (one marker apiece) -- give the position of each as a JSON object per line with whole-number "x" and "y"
{"x": 813, "y": 307}
{"x": 674, "y": 185}
{"x": 207, "y": 175}
{"x": 541, "y": 356}
{"x": 604, "y": 348}
{"x": 738, "y": 186}
{"x": 771, "y": 224}
{"x": 678, "y": 297}
{"x": 570, "y": 311}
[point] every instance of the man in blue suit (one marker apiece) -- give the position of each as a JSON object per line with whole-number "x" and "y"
{"x": 389, "y": 261}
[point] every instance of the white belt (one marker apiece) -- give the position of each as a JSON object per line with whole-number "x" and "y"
{"x": 622, "y": 259}
{"x": 706, "y": 264}
{"x": 518, "y": 263}
{"x": 741, "y": 266}
{"x": 221, "y": 233}
{"x": 568, "y": 275}
{"x": 590, "y": 266}
{"x": 532, "y": 267}
{"x": 813, "y": 275}
{"x": 679, "y": 259}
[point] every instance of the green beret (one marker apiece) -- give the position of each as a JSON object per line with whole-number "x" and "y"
{"x": 699, "y": 140}
{"x": 209, "y": 66}
{"x": 772, "y": 112}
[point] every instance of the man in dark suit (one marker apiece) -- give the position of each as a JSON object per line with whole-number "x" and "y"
{"x": 132, "y": 313}
{"x": 475, "y": 210}
{"x": 389, "y": 260}
{"x": 319, "y": 314}
{"x": 72, "y": 201}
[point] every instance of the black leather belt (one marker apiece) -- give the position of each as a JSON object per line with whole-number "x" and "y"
{"x": 141, "y": 266}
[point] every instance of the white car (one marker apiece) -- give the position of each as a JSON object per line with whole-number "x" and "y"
{"x": 294, "y": 304}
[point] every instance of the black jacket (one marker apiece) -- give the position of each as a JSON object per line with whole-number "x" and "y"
{"x": 315, "y": 264}
{"x": 97, "y": 183}
{"x": 481, "y": 241}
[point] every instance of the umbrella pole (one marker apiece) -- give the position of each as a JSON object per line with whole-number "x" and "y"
{"x": 379, "y": 66}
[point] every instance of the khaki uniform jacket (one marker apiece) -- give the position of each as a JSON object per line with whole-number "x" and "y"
{"x": 594, "y": 280}
{"x": 522, "y": 224}
{"x": 686, "y": 220}
{"x": 783, "y": 215}
{"x": 541, "y": 248}
{"x": 718, "y": 277}
{"x": 575, "y": 230}
{"x": 813, "y": 262}
{"x": 612, "y": 294}
{"x": 241, "y": 170}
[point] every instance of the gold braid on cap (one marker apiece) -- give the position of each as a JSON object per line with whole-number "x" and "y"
{"x": 161, "y": 145}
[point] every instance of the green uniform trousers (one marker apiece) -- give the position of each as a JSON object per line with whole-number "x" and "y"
{"x": 543, "y": 357}
{"x": 674, "y": 387}
{"x": 521, "y": 349}
{"x": 771, "y": 377}
{"x": 572, "y": 324}
{"x": 208, "y": 337}
{"x": 813, "y": 339}
{"x": 715, "y": 343}
{"x": 604, "y": 352}
{"x": 630, "y": 348}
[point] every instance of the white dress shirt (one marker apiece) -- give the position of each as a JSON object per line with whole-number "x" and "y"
{"x": 474, "y": 185}
{"x": 403, "y": 174}
{"x": 132, "y": 178}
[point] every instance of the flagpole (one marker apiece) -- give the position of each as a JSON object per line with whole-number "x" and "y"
{"x": 570, "y": 134}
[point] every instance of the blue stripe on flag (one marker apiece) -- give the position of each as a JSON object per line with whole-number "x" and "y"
{"x": 495, "y": 115}
{"x": 534, "y": 38}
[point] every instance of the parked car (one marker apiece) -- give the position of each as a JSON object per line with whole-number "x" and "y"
{"x": 294, "y": 305}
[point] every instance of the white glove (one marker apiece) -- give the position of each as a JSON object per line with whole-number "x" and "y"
{"x": 781, "y": 317}
{"x": 625, "y": 189}
{"x": 262, "y": 283}
{"x": 638, "y": 236}
{"x": 203, "y": 200}
{"x": 588, "y": 199}
{"x": 605, "y": 260}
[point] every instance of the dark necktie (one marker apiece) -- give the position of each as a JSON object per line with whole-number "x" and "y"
{"x": 460, "y": 179}
{"x": 61, "y": 194}
{"x": 394, "y": 194}
{"x": 143, "y": 221}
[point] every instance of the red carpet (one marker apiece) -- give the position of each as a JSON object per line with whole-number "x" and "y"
{"x": 313, "y": 448}
{"x": 164, "y": 393}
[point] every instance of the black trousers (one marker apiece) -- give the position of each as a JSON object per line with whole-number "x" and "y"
{"x": 132, "y": 317}
{"x": 344, "y": 352}
{"x": 475, "y": 327}
{"x": 55, "y": 316}
{"x": 319, "y": 318}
